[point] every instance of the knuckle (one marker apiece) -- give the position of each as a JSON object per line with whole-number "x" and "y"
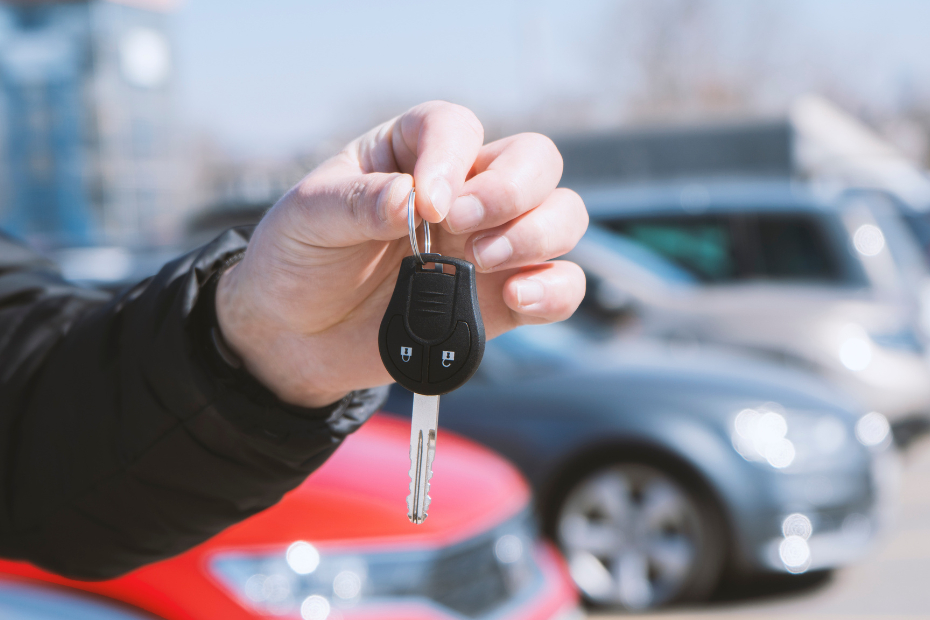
{"x": 542, "y": 235}
{"x": 463, "y": 116}
{"x": 543, "y": 143}
{"x": 574, "y": 207}
{"x": 450, "y": 164}
{"x": 514, "y": 196}
{"x": 382, "y": 205}
{"x": 375, "y": 151}
{"x": 423, "y": 109}
{"x": 451, "y": 120}
{"x": 581, "y": 211}
{"x": 353, "y": 198}
{"x": 544, "y": 146}
{"x": 472, "y": 122}
{"x": 570, "y": 195}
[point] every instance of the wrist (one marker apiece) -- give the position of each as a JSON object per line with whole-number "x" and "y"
{"x": 250, "y": 336}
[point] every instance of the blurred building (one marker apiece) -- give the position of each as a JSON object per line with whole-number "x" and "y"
{"x": 815, "y": 140}
{"x": 86, "y": 121}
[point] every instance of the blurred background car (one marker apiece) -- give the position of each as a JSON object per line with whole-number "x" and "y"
{"x": 797, "y": 239}
{"x": 340, "y": 546}
{"x": 658, "y": 469}
{"x": 833, "y": 284}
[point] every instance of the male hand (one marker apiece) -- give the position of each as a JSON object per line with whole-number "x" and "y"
{"x": 303, "y": 307}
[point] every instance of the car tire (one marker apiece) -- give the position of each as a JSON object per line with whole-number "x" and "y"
{"x": 639, "y": 532}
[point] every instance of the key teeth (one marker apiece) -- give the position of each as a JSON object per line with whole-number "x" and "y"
{"x": 422, "y": 453}
{"x": 412, "y": 517}
{"x": 410, "y": 497}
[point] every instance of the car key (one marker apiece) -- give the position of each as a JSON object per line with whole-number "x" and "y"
{"x": 431, "y": 342}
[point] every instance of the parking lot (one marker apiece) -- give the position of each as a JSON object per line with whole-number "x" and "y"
{"x": 664, "y": 353}
{"x": 892, "y": 582}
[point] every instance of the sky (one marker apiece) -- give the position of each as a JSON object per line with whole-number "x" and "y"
{"x": 277, "y": 77}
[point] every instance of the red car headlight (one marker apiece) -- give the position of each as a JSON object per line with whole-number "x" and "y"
{"x": 471, "y": 578}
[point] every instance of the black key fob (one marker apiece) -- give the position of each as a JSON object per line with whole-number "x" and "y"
{"x": 432, "y": 337}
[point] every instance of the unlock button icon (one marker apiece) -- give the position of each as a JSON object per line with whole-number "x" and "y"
{"x": 449, "y": 356}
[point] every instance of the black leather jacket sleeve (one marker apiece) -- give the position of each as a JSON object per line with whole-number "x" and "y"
{"x": 124, "y": 437}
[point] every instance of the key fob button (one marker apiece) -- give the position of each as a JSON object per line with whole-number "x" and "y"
{"x": 448, "y": 357}
{"x": 406, "y": 354}
{"x": 431, "y": 297}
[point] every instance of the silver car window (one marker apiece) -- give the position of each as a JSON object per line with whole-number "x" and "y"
{"x": 718, "y": 248}
{"x": 792, "y": 247}
{"x": 703, "y": 246}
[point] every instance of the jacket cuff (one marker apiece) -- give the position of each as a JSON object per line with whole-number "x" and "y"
{"x": 237, "y": 395}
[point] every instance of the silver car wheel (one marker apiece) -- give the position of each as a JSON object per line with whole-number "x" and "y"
{"x": 631, "y": 535}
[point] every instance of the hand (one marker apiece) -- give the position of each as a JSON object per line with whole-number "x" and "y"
{"x": 303, "y": 307}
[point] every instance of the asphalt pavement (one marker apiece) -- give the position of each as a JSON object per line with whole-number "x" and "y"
{"x": 894, "y": 581}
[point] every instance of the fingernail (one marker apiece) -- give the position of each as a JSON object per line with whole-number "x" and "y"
{"x": 492, "y": 251}
{"x": 440, "y": 195}
{"x": 466, "y": 213}
{"x": 529, "y": 292}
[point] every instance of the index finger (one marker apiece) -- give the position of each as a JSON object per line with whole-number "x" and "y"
{"x": 439, "y": 142}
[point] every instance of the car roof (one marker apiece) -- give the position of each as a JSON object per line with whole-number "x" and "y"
{"x": 704, "y": 195}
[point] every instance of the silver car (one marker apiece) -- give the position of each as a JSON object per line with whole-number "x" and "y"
{"x": 825, "y": 279}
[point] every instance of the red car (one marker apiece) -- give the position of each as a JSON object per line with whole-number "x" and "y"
{"x": 340, "y": 547}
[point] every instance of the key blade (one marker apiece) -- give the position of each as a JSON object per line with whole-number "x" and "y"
{"x": 423, "y": 428}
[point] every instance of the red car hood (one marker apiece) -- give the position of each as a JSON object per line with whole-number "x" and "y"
{"x": 357, "y": 499}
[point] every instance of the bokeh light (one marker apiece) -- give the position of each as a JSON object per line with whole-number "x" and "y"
{"x": 856, "y": 349}
{"x": 872, "y": 429}
{"x": 797, "y": 524}
{"x": 760, "y": 436}
{"x": 347, "y": 585}
{"x": 869, "y": 240}
{"x": 795, "y": 553}
{"x": 315, "y": 607}
{"x": 302, "y": 557}
{"x": 508, "y": 549}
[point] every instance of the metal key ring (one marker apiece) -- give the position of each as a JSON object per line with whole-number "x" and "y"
{"x": 412, "y": 228}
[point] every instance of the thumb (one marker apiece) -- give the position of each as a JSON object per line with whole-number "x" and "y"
{"x": 344, "y": 210}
